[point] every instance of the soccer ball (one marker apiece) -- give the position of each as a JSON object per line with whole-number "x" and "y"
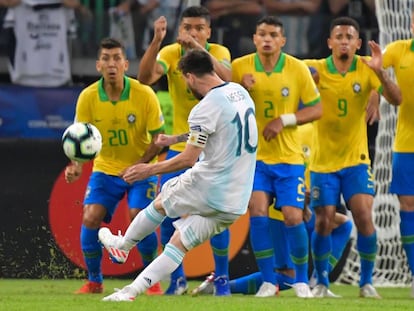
{"x": 81, "y": 142}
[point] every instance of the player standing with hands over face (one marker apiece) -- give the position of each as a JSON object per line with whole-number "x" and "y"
{"x": 128, "y": 116}
{"x": 340, "y": 162}
{"x": 209, "y": 194}
{"x": 193, "y": 33}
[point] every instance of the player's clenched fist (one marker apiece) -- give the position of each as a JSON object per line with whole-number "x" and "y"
{"x": 160, "y": 28}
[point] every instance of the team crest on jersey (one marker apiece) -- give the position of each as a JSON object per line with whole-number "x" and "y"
{"x": 131, "y": 118}
{"x": 315, "y": 193}
{"x": 285, "y": 92}
{"x": 356, "y": 87}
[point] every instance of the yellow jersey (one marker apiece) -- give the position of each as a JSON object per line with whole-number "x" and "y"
{"x": 275, "y": 93}
{"x": 340, "y": 135}
{"x": 400, "y": 56}
{"x": 126, "y": 125}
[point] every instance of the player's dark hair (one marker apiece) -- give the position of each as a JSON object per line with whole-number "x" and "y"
{"x": 197, "y": 62}
{"x": 344, "y": 21}
{"x": 270, "y": 20}
{"x": 110, "y": 43}
{"x": 196, "y": 11}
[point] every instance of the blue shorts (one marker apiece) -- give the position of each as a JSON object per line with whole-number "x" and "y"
{"x": 167, "y": 176}
{"x": 402, "y": 173}
{"x": 285, "y": 182}
{"x": 326, "y": 188}
{"x": 109, "y": 190}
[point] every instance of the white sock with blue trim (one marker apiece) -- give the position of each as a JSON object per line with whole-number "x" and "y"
{"x": 143, "y": 224}
{"x": 159, "y": 269}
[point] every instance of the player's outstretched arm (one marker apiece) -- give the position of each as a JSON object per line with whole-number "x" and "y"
{"x": 183, "y": 160}
{"x": 164, "y": 140}
{"x": 149, "y": 70}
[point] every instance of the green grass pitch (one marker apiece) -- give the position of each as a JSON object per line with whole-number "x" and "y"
{"x": 33, "y": 295}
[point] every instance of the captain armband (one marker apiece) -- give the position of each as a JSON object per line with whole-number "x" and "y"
{"x": 197, "y": 138}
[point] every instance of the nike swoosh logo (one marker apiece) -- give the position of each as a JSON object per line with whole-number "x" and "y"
{"x": 98, "y": 120}
{"x": 300, "y": 199}
{"x": 404, "y": 67}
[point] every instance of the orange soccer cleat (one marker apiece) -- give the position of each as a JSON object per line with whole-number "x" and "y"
{"x": 155, "y": 290}
{"x": 90, "y": 288}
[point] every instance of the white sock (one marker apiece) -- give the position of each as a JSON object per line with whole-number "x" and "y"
{"x": 160, "y": 268}
{"x": 143, "y": 224}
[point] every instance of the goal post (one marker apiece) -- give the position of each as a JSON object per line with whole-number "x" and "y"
{"x": 391, "y": 268}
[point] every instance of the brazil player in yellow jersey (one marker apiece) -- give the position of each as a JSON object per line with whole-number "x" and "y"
{"x": 128, "y": 115}
{"x": 340, "y": 161}
{"x": 193, "y": 33}
{"x": 400, "y": 56}
{"x": 278, "y": 82}
{"x": 284, "y": 270}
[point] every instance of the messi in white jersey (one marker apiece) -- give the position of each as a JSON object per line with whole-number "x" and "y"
{"x": 214, "y": 192}
{"x": 223, "y": 124}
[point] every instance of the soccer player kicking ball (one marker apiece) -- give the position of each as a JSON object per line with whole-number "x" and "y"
{"x": 223, "y": 135}
{"x": 193, "y": 32}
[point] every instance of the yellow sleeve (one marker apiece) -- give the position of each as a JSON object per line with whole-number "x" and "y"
{"x": 83, "y": 107}
{"x": 155, "y": 119}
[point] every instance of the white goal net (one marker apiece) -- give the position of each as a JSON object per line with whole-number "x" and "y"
{"x": 391, "y": 269}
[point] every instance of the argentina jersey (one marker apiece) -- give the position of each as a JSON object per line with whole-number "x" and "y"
{"x": 225, "y": 120}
